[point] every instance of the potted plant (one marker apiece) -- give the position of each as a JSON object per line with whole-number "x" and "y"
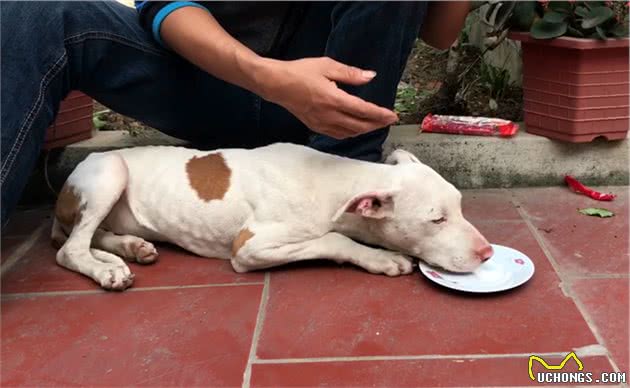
{"x": 575, "y": 67}
{"x": 73, "y": 123}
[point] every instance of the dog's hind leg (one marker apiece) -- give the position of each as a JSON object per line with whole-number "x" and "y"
{"x": 129, "y": 247}
{"x": 86, "y": 199}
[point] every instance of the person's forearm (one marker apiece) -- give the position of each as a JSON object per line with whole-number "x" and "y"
{"x": 443, "y": 22}
{"x": 196, "y": 35}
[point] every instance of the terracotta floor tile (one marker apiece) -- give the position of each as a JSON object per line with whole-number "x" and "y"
{"x": 188, "y": 337}
{"x": 580, "y": 244}
{"x": 24, "y": 221}
{"x": 412, "y": 373}
{"x": 8, "y": 246}
{"x": 606, "y": 301}
{"x": 318, "y": 310}
{"x": 37, "y": 271}
{"x": 489, "y": 205}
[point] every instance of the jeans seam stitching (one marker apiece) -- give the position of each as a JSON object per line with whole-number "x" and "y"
{"x": 30, "y": 117}
{"x": 83, "y": 36}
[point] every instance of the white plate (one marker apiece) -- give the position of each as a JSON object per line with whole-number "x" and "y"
{"x": 506, "y": 269}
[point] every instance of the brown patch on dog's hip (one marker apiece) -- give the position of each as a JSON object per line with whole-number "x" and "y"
{"x": 209, "y": 176}
{"x": 240, "y": 240}
{"x": 68, "y": 206}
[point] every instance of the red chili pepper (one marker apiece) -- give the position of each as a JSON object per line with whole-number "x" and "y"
{"x": 580, "y": 188}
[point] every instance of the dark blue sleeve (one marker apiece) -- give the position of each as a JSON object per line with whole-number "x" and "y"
{"x": 153, "y": 13}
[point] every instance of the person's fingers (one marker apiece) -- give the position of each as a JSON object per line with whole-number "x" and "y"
{"x": 337, "y": 71}
{"x": 362, "y": 109}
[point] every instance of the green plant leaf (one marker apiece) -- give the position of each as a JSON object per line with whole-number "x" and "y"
{"x": 560, "y": 6}
{"x": 593, "y": 35}
{"x": 596, "y": 212}
{"x": 600, "y": 32}
{"x": 575, "y": 32}
{"x": 555, "y": 17}
{"x": 523, "y": 15}
{"x": 597, "y": 16}
{"x": 620, "y": 31}
{"x": 504, "y": 13}
{"x": 545, "y": 30}
{"x": 581, "y": 11}
{"x": 98, "y": 123}
{"x": 591, "y": 4}
{"x": 490, "y": 14}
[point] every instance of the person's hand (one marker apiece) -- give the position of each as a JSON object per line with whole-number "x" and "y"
{"x": 307, "y": 88}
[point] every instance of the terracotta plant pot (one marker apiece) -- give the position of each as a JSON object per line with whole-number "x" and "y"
{"x": 575, "y": 89}
{"x": 73, "y": 122}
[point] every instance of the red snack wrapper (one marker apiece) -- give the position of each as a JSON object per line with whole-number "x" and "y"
{"x": 467, "y": 125}
{"x": 576, "y": 186}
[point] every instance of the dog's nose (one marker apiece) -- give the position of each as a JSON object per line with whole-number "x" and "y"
{"x": 485, "y": 253}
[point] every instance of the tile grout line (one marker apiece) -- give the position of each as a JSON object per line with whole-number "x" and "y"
{"x": 598, "y": 276}
{"x": 565, "y": 281}
{"x": 260, "y": 319}
{"x": 98, "y": 291}
{"x": 24, "y": 247}
{"x": 404, "y": 358}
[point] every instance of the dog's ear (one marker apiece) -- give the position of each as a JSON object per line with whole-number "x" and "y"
{"x": 401, "y": 156}
{"x": 373, "y": 204}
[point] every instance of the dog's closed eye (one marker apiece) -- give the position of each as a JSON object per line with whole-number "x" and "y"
{"x": 439, "y": 220}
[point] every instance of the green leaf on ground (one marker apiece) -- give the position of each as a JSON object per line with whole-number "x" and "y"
{"x": 596, "y": 212}
{"x": 98, "y": 123}
{"x": 406, "y": 99}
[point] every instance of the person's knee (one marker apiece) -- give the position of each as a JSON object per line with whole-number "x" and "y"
{"x": 30, "y": 18}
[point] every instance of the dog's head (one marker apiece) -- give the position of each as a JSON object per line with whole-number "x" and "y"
{"x": 421, "y": 217}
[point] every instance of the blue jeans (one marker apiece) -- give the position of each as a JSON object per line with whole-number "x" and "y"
{"x": 99, "y": 48}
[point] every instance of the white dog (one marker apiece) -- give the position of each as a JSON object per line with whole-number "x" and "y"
{"x": 260, "y": 208}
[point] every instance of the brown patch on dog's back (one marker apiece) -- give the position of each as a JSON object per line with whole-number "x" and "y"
{"x": 68, "y": 207}
{"x": 209, "y": 176}
{"x": 240, "y": 240}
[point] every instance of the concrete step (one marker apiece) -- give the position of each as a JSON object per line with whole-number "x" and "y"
{"x": 524, "y": 160}
{"x": 467, "y": 161}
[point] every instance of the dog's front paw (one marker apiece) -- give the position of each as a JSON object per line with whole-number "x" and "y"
{"x": 116, "y": 277}
{"x": 399, "y": 265}
{"x": 391, "y": 264}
